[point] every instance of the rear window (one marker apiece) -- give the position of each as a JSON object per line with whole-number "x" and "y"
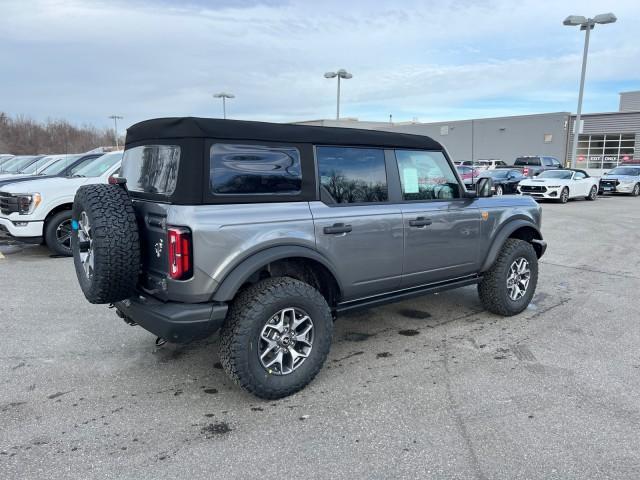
{"x": 254, "y": 170}
{"x": 534, "y": 161}
{"x": 151, "y": 168}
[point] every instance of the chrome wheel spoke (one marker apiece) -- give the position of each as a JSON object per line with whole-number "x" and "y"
{"x": 518, "y": 278}
{"x": 285, "y": 341}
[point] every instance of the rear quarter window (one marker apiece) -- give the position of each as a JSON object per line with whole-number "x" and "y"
{"x": 151, "y": 168}
{"x": 254, "y": 170}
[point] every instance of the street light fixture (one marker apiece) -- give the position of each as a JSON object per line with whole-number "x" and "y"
{"x": 586, "y": 24}
{"x": 115, "y": 119}
{"x": 342, "y": 73}
{"x": 224, "y": 96}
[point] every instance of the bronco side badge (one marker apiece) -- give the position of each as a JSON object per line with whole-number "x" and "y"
{"x": 485, "y": 216}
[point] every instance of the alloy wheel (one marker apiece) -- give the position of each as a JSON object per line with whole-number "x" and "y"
{"x": 518, "y": 278}
{"x": 86, "y": 245}
{"x": 286, "y": 341}
{"x": 63, "y": 234}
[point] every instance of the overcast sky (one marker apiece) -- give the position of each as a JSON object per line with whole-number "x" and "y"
{"x": 430, "y": 60}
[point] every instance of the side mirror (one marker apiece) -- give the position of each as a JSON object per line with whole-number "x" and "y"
{"x": 483, "y": 187}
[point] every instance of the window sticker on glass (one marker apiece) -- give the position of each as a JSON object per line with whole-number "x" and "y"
{"x": 410, "y": 180}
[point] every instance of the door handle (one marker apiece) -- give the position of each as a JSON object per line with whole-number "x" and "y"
{"x": 420, "y": 222}
{"x": 337, "y": 228}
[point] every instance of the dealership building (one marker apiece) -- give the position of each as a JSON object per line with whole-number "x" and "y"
{"x": 604, "y": 140}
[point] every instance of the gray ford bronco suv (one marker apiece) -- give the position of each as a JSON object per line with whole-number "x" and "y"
{"x": 266, "y": 232}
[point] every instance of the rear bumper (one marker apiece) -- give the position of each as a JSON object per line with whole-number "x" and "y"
{"x": 173, "y": 321}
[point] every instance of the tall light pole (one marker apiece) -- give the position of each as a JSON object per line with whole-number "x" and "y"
{"x": 115, "y": 127}
{"x": 224, "y": 96}
{"x": 586, "y": 24}
{"x": 342, "y": 73}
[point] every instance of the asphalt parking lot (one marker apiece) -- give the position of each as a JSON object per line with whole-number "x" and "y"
{"x": 427, "y": 388}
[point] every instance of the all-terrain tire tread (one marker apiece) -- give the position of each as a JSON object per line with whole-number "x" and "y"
{"x": 248, "y": 307}
{"x": 116, "y": 242}
{"x": 492, "y": 287}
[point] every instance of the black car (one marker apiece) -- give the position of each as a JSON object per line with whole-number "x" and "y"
{"x": 62, "y": 168}
{"x": 504, "y": 180}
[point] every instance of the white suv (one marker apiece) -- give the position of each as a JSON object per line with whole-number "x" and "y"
{"x": 40, "y": 209}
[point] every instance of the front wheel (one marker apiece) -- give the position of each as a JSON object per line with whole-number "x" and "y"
{"x": 564, "y": 196}
{"x": 508, "y": 286}
{"x": 593, "y": 193}
{"x": 276, "y": 337}
{"x": 57, "y": 233}
{"x": 499, "y": 190}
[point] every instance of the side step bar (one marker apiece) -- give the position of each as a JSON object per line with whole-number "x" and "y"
{"x": 398, "y": 295}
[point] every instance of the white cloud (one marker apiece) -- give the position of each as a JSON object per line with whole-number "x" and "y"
{"x": 85, "y": 60}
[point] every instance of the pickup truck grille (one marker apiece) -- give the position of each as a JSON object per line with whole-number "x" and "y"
{"x": 533, "y": 188}
{"x": 8, "y": 203}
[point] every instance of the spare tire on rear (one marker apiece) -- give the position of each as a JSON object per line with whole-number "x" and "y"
{"x": 105, "y": 243}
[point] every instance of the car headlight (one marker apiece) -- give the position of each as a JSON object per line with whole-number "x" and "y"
{"x": 28, "y": 202}
{"x": 626, "y": 183}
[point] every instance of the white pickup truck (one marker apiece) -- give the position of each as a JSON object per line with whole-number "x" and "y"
{"x": 40, "y": 210}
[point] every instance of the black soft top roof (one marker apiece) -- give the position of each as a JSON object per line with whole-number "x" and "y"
{"x": 195, "y": 127}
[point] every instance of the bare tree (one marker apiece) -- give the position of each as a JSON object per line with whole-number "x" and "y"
{"x": 24, "y": 136}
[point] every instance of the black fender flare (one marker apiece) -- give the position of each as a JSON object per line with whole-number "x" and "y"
{"x": 504, "y": 233}
{"x": 241, "y": 272}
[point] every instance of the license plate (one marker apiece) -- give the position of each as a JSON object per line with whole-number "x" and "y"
{"x": 607, "y": 189}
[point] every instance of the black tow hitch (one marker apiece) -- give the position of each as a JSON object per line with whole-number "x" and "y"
{"x": 126, "y": 319}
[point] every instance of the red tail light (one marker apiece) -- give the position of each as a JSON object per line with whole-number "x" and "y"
{"x": 180, "y": 253}
{"x": 525, "y": 171}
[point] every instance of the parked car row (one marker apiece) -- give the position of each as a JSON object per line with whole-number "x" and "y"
{"x": 36, "y": 195}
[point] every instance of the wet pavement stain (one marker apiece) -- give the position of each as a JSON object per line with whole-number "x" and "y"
{"x": 409, "y": 333}
{"x": 357, "y": 336}
{"x": 413, "y": 313}
{"x": 217, "y": 365}
{"x": 348, "y": 356}
{"x": 214, "y": 429}
{"x": 211, "y": 391}
{"x": 57, "y": 394}
{"x": 383, "y": 355}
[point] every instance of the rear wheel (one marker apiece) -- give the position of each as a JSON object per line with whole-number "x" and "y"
{"x": 276, "y": 337}
{"x": 58, "y": 233}
{"x": 564, "y": 195}
{"x": 499, "y": 190}
{"x": 593, "y": 193}
{"x": 636, "y": 190}
{"x": 508, "y": 286}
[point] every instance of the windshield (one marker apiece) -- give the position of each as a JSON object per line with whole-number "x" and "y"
{"x": 99, "y": 165}
{"x": 633, "y": 172}
{"x": 37, "y": 165}
{"x": 15, "y": 164}
{"x": 59, "y": 165}
{"x": 562, "y": 174}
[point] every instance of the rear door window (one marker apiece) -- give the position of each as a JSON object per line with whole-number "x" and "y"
{"x": 254, "y": 170}
{"x": 352, "y": 175}
{"x": 151, "y": 168}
